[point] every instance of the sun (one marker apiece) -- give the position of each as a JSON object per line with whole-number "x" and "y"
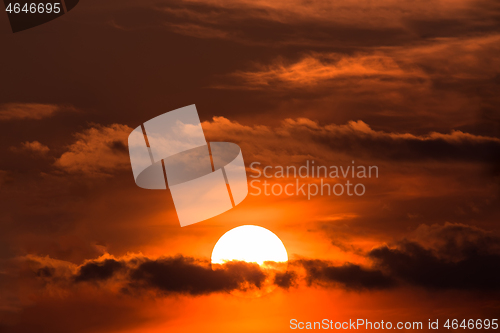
{"x": 254, "y": 245}
{"x": 251, "y": 244}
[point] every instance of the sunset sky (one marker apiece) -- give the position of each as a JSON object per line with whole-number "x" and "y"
{"x": 411, "y": 87}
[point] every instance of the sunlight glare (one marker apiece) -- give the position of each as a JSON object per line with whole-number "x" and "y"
{"x": 249, "y": 243}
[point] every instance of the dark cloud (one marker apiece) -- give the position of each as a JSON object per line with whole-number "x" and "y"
{"x": 456, "y": 241}
{"x": 286, "y": 279}
{"x": 45, "y": 272}
{"x": 119, "y": 146}
{"x": 449, "y": 256}
{"x": 415, "y": 265}
{"x": 313, "y": 23}
{"x": 98, "y": 271}
{"x": 357, "y": 139}
{"x": 188, "y": 276}
{"x": 415, "y": 149}
{"x": 172, "y": 275}
{"x": 349, "y": 276}
{"x": 185, "y": 275}
{"x": 435, "y": 258}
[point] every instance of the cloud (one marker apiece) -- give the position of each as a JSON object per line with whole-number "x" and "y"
{"x": 46, "y": 266}
{"x": 34, "y": 147}
{"x": 326, "y": 22}
{"x": 13, "y": 111}
{"x": 315, "y": 24}
{"x": 307, "y": 139}
{"x": 388, "y": 12}
{"x": 449, "y": 256}
{"x": 136, "y": 274}
{"x": 98, "y": 151}
{"x": 98, "y": 271}
{"x": 456, "y": 241}
{"x": 416, "y": 65}
{"x": 417, "y": 266}
{"x": 320, "y": 68}
{"x": 349, "y": 276}
{"x": 189, "y": 276}
{"x": 286, "y": 280}
{"x": 102, "y": 150}
{"x": 434, "y": 258}
{"x": 167, "y": 275}
{"x": 408, "y": 263}
{"x": 429, "y": 85}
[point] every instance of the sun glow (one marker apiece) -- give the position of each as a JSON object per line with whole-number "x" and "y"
{"x": 249, "y": 243}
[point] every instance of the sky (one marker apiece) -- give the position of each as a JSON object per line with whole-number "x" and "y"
{"x": 408, "y": 87}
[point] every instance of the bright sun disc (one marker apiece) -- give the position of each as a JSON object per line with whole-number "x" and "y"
{"x": 249, "y": 243}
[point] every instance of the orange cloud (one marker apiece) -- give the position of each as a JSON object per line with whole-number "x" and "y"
{"x": 97, "y": 151}
{"x": 297, "y": 140}
{"x": 318, "y": 68}
{"x": 100, "y": 150}
{"x": 34, "y": 146}
{"x": 450, "y": 58}
{"x": 387, "y": 13}
{"x": 9, "y": 111}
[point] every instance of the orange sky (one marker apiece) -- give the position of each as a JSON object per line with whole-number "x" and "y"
{"x": 409, "y": 87}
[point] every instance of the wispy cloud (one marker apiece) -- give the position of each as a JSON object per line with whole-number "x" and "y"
{"x": 306, "y": 138}
{"x": 319, "y": 68}
{"x": 11, "y": 111}
{"x": 325, "y": 23}
{"x": 33, "y": 147}
{"x": 450, "y": 59}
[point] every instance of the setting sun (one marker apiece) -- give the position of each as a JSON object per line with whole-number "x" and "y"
{"x": 249, "y": 243}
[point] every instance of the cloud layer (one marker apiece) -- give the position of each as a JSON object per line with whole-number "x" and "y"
{"x": 306, "y": 137}
{"x": 456, "y": 260}
{"x": 12, "y": 111}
